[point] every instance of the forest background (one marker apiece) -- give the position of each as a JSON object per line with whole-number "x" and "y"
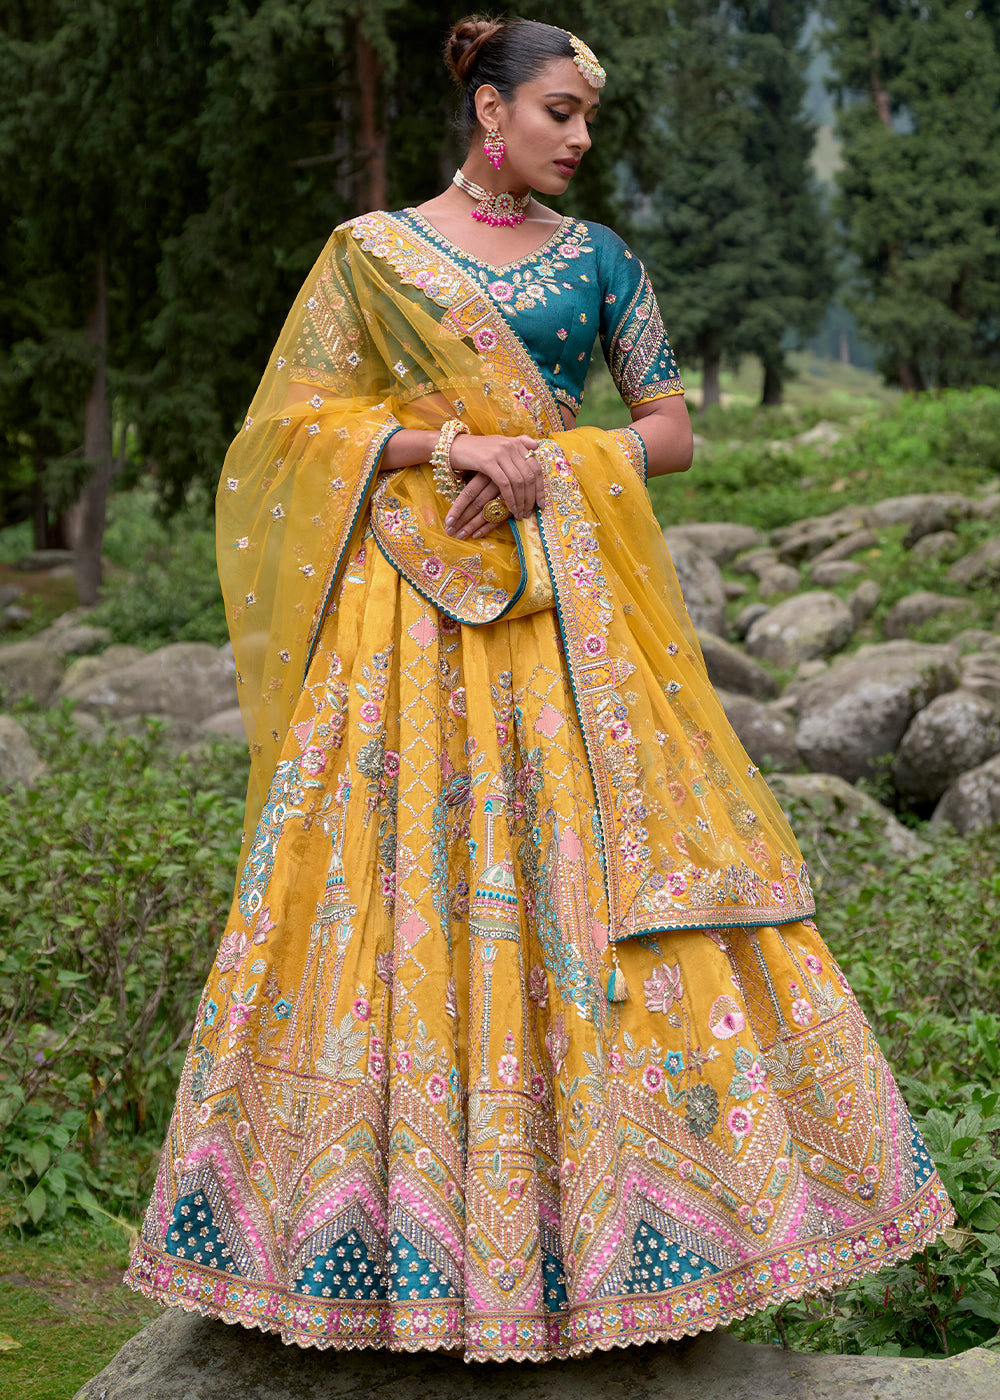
{"x": 793, "y": 175}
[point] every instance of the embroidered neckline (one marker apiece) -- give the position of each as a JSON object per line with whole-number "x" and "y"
{"x": 439, "y": 237}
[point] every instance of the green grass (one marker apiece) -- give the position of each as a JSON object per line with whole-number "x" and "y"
{"x": 65, "y": 1309}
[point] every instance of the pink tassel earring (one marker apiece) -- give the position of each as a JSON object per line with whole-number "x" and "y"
{"x": 494, "y": 148}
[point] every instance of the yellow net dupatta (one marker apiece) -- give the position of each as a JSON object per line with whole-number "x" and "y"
{"x": 388, "y": 332}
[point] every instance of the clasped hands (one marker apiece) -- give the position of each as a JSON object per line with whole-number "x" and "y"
{"x": 496, "y": 466}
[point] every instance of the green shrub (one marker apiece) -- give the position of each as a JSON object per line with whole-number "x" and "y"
{"x": 163, "y": 586}
{"x": 115, "y": 882}
{"x": 918, "y": 945}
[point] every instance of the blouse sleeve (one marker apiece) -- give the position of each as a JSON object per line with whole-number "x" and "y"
{"x": 634, "y": 342}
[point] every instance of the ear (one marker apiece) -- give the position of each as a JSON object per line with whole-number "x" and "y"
{"x": 490, "y": 106}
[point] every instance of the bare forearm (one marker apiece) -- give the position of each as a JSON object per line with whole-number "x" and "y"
{"x": 410, "y": 447}
{"x": 665, "y": 429}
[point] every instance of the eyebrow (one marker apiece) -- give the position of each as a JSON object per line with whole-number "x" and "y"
{"x": 571, "y": 97}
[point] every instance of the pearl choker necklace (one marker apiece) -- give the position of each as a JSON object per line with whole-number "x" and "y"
{"x": 496, "y": 209}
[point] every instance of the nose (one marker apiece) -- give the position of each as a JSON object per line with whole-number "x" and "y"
{"x": 580, "y": 138}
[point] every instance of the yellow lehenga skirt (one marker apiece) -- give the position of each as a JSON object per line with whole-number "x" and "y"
{"x": 436, "y": 1131}
{"x": 414, "y": 1112}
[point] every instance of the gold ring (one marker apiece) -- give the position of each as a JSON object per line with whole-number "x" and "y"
{"x": 494, "y": 512}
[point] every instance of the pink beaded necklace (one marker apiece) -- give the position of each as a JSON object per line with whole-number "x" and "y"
{"x": 496, "y": 209}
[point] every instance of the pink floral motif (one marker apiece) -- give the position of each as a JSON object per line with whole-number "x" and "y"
{"x": 568, "y": 250}
{"x": 232, "y": 950}
{"x": 684, "y": 1169}
{"x": 361, "y": 1008}
{"x": 594, "y": 645}
{"x": 663, "y": 987}
{"x": 851, "y": 1182}
{"x": 383, "y": 967}
{"x": 263, "y": 925}
{"x": 538, "y": 986}
{"x": 816, "y": 1164}
{"x": 485, "y": 339}
{"x": 313, "y": 760}
{"x": 726, "y": 1018}
{"x": 422, "y": 1158}
{"x": 843, "y": 1106}
{"x": 675, "y": 883}
{"x": 515, "y": 1188}
{"x": 390, "y": 764}
{"x": 587, "y": 1224}
{"x": 432, "y": 566}
{"x": 403, "y": 1061}
{"x": 739, "y": 1122}
{"x": 508, "y": 1068}
{"x": 537, "y": 1087}
{"x": 778, "y": 891}
{"x": 369, "y": 712}
{"x": 239, "y": 1015}
{"x": 652, "y": 1079}
{"x": 813, "y": 964}
{"x": 557, "y": 1042}
{"x": 802, "y": 1011}
{"x": 615, "y": 1062}
{"x": 757, "y": 1079}
{"x": 437, "y": 1088}
{"x": 501, "y": 291}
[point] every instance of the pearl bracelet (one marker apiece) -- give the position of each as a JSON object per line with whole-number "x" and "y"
{"x": 446, "y": 479}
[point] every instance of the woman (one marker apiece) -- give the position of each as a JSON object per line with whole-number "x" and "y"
{"x": 521, "y": 1040}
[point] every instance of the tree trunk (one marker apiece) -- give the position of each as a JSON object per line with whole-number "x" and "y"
{"x": 710, "y": 393}
{"x": 845, "y": 348}
{"x": 39, "y": 505}
{"x": 374, "y": 188}
{"x": 774, "y": 384}
{"x": 91, "y": 508}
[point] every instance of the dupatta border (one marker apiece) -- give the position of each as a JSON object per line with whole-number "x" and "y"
{"x": 469, "y": 312}
{"x": 362, "y": 488}
{"x": 441, "y": 592}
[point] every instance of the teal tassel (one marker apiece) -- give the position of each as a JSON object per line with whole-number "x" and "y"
{"x": 617, "y": 987}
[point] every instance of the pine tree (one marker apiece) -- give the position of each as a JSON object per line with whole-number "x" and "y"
{"x": 733, "y": 229}
{"x": 920, "y": 185}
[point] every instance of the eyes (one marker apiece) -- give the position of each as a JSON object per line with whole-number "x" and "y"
{"x": 564, "y": 116}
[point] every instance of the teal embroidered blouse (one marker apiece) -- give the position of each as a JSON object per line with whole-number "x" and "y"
{"x": 581, "y": 284}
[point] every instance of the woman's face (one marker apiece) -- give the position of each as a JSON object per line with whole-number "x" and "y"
{"x": 546, "y": 128}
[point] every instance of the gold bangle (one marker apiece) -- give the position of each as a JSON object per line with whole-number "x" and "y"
{"x": 446, "y": 479}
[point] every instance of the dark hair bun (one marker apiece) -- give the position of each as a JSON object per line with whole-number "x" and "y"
{"x": 465, "y": 42}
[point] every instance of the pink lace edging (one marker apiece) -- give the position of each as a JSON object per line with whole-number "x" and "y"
{"x": 586, "y": 1346}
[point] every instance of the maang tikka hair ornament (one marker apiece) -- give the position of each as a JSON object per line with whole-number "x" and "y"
{"x": 586, "y": 62}
{"x": 494, "y": 147}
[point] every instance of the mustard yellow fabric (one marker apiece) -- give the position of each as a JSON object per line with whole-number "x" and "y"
{"x": 409, "y": 1115}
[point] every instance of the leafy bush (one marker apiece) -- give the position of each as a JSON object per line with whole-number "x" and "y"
{"x": 948, "y": 442}
{"x": 918, "y": 945}
{"x": 163, "y": 586}
{"x": 115, "y": 881}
